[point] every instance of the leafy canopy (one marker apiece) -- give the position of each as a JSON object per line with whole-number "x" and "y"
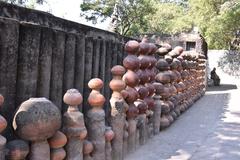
{"x": 131, "y": 14}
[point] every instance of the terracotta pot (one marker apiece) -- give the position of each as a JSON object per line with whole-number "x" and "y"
{"x": 87, "y": 147}
{"x": 96, "y": 99}
{"x": 162, "y": 65}
{"x": 130, "y": 78}
{"x": 37, "y": 119}
{"x": 132, "y": 47}
{"x": 58, "y": 154}
{"x": 72, "y": 97}
{"x": 58, "y": 140}
{"x": 17, "y": 149}
{"x": 131, "y": 62}
{"x": 163, "y": 77}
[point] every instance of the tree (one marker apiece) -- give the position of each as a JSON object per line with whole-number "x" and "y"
{"x": 218, "y": 20}
{"x": 170, "y": 18}
{"x": 130, "y": 14}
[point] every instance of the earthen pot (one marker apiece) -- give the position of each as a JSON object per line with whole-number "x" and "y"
{"x": 143, "y": 76}
{"x": 132, "y": 111}
{"x": 164, "y": 121}
{"x": 151, "y": 88}
{"x": 179, "y": 49}
{"x": 109, "y": 135}
{"x": 167, "y": 46}
{"x": 37, "y": 119}
{"x": 159, "y": 88}
{"x": 131, "y": 79}
{"x": 72, "y": 97}
{"x": 150, "y": 103}
{"x": 162, "y": 65}
{"x": 142, "y": 106}
{"x": 142, "y": 91}
{"x": 163, "y": 77}
{"x": 162, "y": 51}
{"x": 17, "y": 149}
{"x": 58, "y": 140}
{"x": 152, "y": 48}
{"x": 165, "y": 107}
{"x": 131, "y": 62}
{"x": 132, "y": 47}
{"x": 57, "y": 154}
{"x": 130, "y": 94}
{"x": 168, "y": 58}
{"x": 96, "y": 99}
{"x": 143, "y": 48}
{"x": 87, "y": 147}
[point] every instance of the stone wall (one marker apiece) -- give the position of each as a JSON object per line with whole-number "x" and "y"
{"x": 43, "y": 56}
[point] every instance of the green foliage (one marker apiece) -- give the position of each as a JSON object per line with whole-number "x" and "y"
{"x": 218, "y": 20}
{"x": 132, "y": 14}
{"x": 169, "y": 18}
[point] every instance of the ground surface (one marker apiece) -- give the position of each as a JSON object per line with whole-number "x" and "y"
{"x": 209, "y": 130}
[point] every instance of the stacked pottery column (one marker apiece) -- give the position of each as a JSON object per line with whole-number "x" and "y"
{"x": 96, "y": 119}
{"x": 73, "y": 125}
{"x": 143, "y": 92}
{"x": 3, "y": 125}
{"x": 131, "y": 63}
{"x": 163, "y": 77}
{"x": 151, "y": 72}
{"x": 118, "y": 111}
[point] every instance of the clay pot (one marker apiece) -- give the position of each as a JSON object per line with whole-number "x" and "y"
{"x": 168, "y": 58}
{"x": 178, "y": 49}
{"x": 96, "y": 99}
{"x": 72, "y": 97}
{"x": 37, "y": 119}
{"x": 17, "y": 149}
{"x": 3, "y": 123}
{"x": 162, "y": 51}
{"x": 150, "y": 103}
{"x": 87, "y": 147}
{"x": 164, "y": 121}
{"x": 142, "y": 91}
{"x": 167, "y": 46}
{"x": 58, "y": 140}
{"x": 131, "y": 79}
{"x": 131, "y": 62}
{"x": 116, "y": 84}
{"x": 130, "y": 94}
{"x": 132, "y": 111}
{"x": 162, "y": 65}
{"x": 165, "y": 107}
{"x": 132, "y": 47}
{"x": 58, "y": 154}
{"x": 163, "y": 77}
{"x": 143, "y": 76}
{"x": 109, "y": 135}
{"x": 159, "y": 88}
{"x": 143, "y": 48}
{"x": 152, "y": 48}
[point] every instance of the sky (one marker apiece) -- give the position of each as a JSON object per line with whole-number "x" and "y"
{"x": 68, "y": 9}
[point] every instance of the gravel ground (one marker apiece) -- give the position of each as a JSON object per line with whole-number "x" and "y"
{"x": 209, "y": 130}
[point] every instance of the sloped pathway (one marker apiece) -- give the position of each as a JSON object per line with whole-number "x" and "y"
{"x": 209, "y": 130}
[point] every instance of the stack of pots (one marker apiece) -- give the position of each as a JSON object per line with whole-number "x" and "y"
{"x": 165, "y": 77}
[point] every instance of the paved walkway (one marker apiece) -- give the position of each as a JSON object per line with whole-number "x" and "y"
{"x": 209, "y": 130}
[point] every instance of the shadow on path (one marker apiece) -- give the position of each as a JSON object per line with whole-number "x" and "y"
{"x": 222, "y": 87}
